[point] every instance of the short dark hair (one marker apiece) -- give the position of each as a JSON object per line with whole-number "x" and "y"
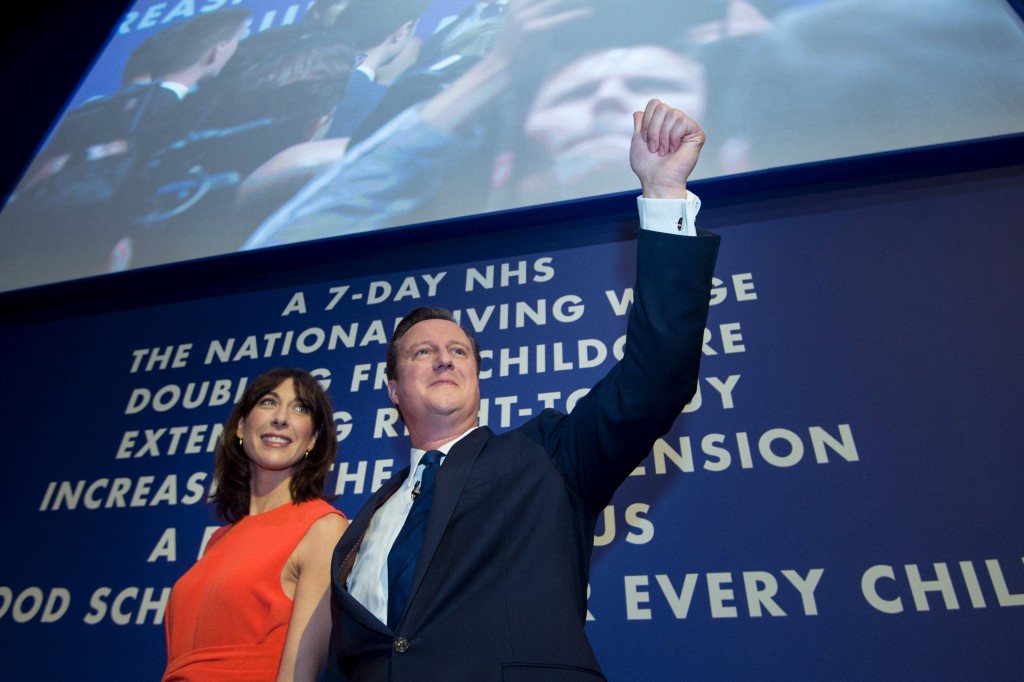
{"x": 182, "y": 45}
{"x": 141, "y": 62}
{"x": 231, "y": 464}
{"x": 415, "y": 317}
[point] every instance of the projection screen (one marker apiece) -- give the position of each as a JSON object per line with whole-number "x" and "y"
{"x": 205, "y": 128}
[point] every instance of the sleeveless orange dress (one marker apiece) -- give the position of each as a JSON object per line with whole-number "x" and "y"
{"x": 227, "y": 617}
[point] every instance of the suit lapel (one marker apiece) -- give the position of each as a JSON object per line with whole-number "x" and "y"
{"x": 451, "y": 479}
{"x": 347, "y": 548}
{"x": 353, "y": 536}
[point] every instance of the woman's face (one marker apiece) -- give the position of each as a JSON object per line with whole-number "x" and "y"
{"x": 278, "y": 430}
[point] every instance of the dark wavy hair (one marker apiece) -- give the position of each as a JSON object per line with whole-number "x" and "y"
{"x": 231, "y": 464}
{"x": 275, "y": 92}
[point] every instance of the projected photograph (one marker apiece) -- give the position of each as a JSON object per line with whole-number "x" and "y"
{"x": 206, "y": 128}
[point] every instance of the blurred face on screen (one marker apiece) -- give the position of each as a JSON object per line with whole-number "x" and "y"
{"x": 583, "y": 115}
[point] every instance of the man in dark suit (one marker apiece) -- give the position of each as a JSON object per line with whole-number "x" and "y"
{"x": 74, "y": 211}
{"x": 498, "y": 589}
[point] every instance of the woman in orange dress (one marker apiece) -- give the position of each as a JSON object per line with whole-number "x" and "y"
{"x": 256, "y": 606}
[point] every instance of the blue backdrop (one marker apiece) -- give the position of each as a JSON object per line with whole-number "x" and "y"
{"x": 841, "y": 500}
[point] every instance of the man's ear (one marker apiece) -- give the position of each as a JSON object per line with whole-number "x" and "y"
{"x": 216, "y": 52}
{"x": 212, "y": 54}
{"x": 393, "y": 391}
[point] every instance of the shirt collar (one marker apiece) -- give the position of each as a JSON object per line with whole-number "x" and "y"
{"x": 370, "y": 73}
{"x": 416, "y": 455}
{"x": 178, "y": 89}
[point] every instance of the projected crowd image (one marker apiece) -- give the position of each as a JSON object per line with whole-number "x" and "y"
{"x": 209, "y": 128}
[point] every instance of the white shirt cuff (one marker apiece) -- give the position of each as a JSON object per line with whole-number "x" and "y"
{"x": 673, "y": 216}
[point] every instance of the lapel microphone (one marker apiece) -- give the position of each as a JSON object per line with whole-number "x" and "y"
{"x": 416, "y": 487}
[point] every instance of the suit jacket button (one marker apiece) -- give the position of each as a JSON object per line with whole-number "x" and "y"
{"x": 400, "y": 645}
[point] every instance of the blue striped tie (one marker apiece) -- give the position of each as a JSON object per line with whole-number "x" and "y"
{"x": 406, "y": 550}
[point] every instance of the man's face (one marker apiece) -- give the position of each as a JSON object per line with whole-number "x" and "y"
{"x": 436, "y": 377}
{"x": 583, "y": 115}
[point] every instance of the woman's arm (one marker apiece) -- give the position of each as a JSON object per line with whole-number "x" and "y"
{"x": 308, "y": 574}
